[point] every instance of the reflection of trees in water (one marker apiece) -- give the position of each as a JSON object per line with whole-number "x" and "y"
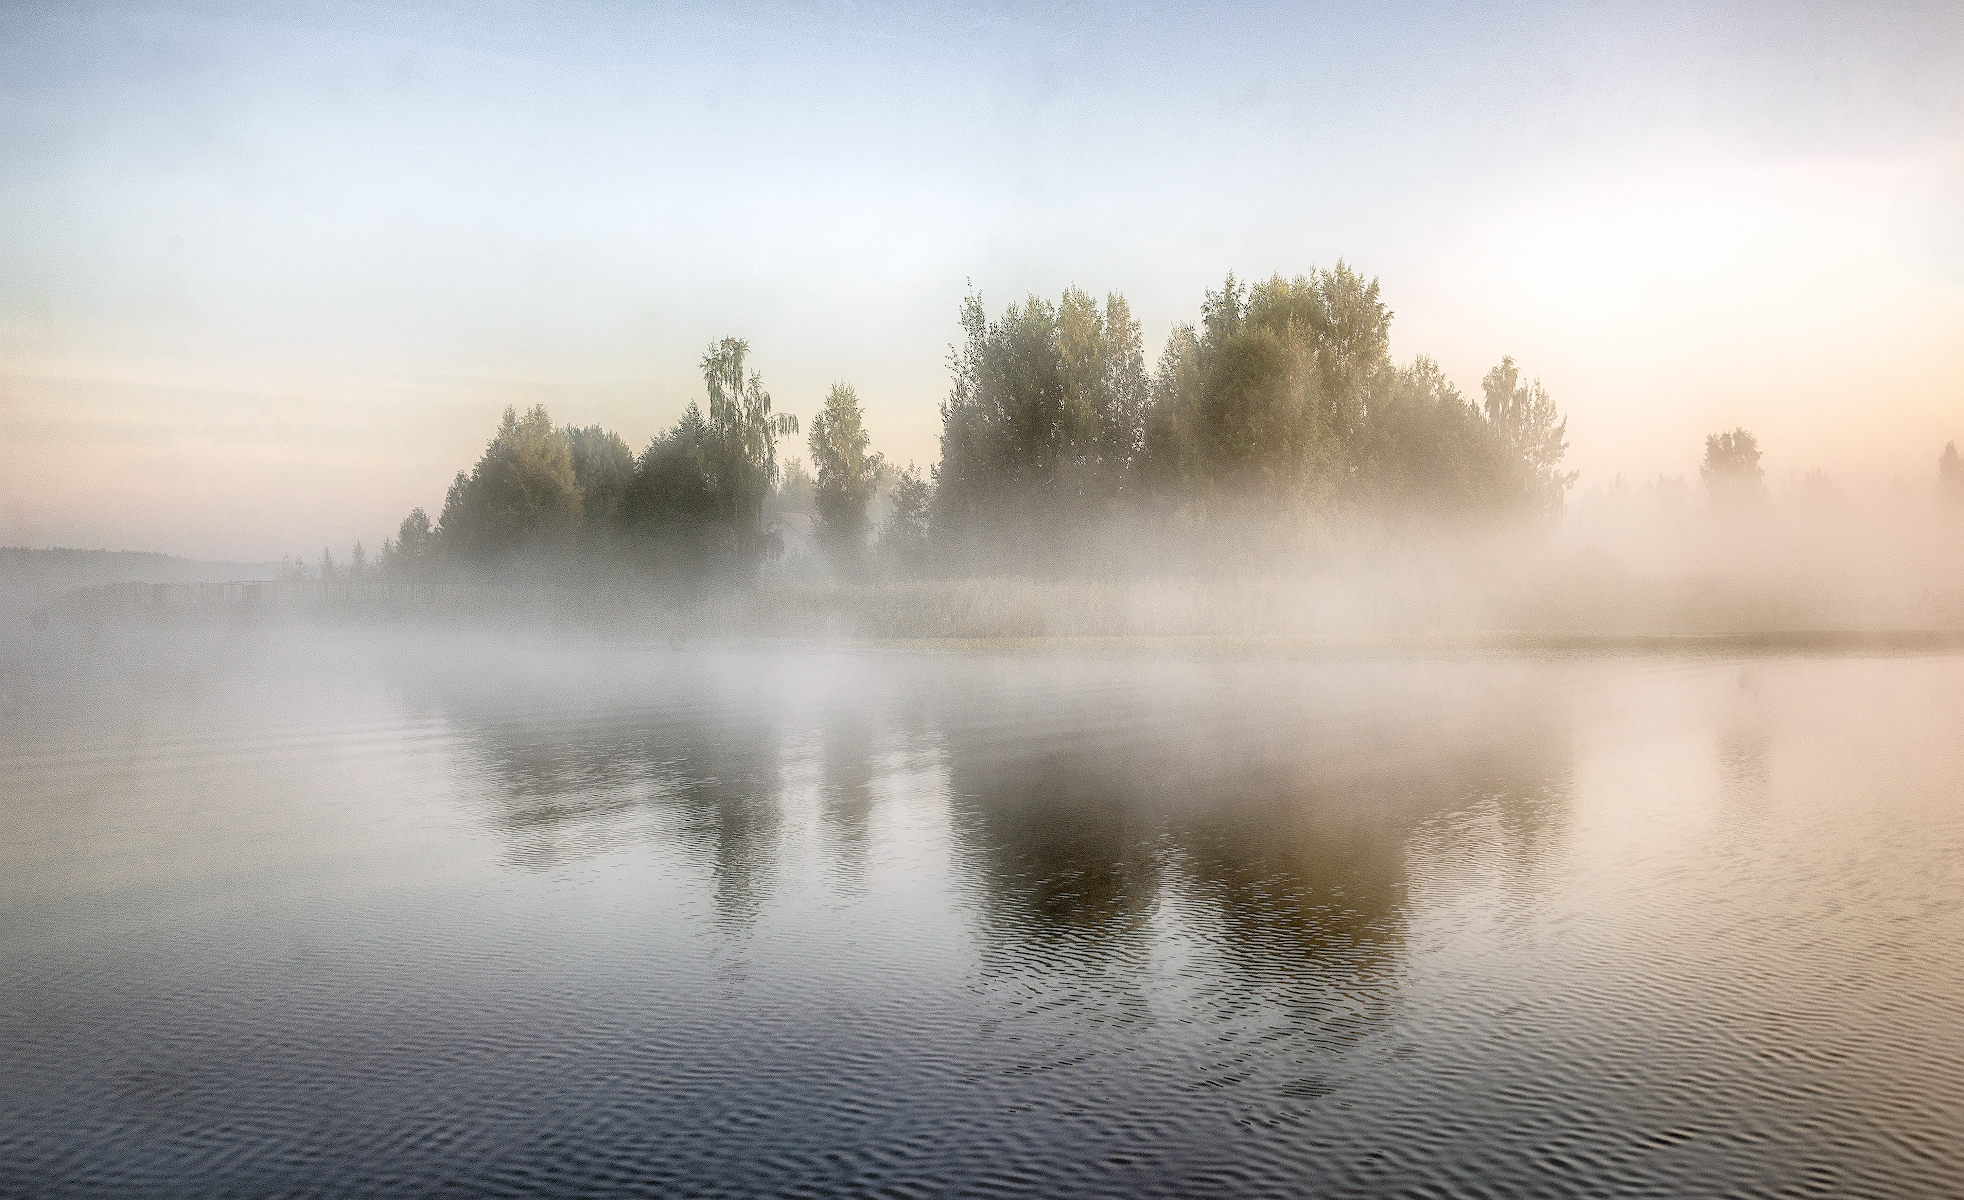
{"x": 1273, "y": 820}
{"x": 693, "y": 755}
{"x": 560, "y": 792}
{"x": 1288, "y": 809}
{"x": 1498, "y": 819}
{"x": 846, "y": 787}
{"x": 1067, "y": 873}
{"x": 1745, "y": 748}
{"x": 1271, "y": 807}
{"x": 574, "y": 781}
{"x": 1058, "y": 848}
{"x": 719, "y": 776}
{"x": 1294, "y": 876}
{"x": 1308, "y": 857}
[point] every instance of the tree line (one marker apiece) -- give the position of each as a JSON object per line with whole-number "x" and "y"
{"x": 1281, "y": 410}
{"x": 1278, "y": 417}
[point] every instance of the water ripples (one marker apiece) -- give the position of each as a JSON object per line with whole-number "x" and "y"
{"x": 549, "y": 920}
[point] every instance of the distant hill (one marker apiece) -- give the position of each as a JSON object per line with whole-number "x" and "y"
{"x": 30, "y": 577}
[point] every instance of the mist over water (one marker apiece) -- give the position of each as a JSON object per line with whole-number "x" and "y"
{"x": 1046, "y": 600}
{"x": 322, "y": 911}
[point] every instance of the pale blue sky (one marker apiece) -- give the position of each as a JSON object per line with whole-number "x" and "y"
{"x": 268, "y": 275}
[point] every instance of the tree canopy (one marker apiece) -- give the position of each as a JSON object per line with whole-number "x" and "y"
{"x": 1279, "y": 411}
{"x": 1731, "y": 471}
{"x": 522, "y": 495}
{"x": 1044, "y": 423}
{"x": 1279, "y": 414}
{"x": 847, "y": 474}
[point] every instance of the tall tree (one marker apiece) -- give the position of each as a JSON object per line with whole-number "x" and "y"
{"x": 847, "y": 475}
{"x": 603, "y": 466}
{"x": 521, "y": 495}
{"x": 1102, "y": 367}
{"x": 1044, "y": 420}
{"x": 1731, "y": 471}
{"x": 696, "y": 501}
{"x": 1265, "y": 401}
{"x": 1343, "y": 329}
{"x": 682, "y": 509}
{"x": 411, "y": 555}
{"x": 1427, "y": 456}
{"x": 740, "y": 411}
{"x": 1950, "y": 474}
{"x": 1528, "y": 423}
{"x": 904, "y": 539}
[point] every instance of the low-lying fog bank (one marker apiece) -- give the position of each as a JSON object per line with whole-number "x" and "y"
{"x": 1611, "y": 570}
{"x": 1277, "y": 478}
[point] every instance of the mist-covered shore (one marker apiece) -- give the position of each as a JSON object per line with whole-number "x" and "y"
{"x": 1276, "y": 478}
{"x": 1628, "y": 564}
{"x": 1550, "y": 600}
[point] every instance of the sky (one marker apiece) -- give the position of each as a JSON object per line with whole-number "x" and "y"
{"x": 268, "y": 275}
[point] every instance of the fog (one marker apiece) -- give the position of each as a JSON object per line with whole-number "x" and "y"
{"x": 1271, "y": 474}
{"x": 400, "y": 907}
{"x": 1025, "y": 600}
{"x": 1876, "y": 570}
{"x": 1263, "y": 772}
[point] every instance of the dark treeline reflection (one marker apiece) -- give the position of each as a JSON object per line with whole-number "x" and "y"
{"x": 850, "y": 774}
{"x": 519, "y": 915}
{"x": 1263, "y": 803}
{"x": 1264, "y": 809}
{"x": 569, "y": 775}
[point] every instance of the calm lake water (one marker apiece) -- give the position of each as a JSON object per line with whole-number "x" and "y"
{"x": 371, "y": 914}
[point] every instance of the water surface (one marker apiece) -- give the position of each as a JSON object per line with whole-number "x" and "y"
{"x": 375, "y": 914}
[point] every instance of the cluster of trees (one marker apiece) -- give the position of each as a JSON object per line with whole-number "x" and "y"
{"x": 1280, "y": 411}
{"x": 1733, "y": 478}
{"x": 553, "y": 498}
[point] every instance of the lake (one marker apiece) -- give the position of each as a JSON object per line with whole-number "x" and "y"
{"x": 388, "y": 913}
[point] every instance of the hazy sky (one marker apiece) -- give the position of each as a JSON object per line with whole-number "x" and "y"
{"x": 267, "y": 277}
